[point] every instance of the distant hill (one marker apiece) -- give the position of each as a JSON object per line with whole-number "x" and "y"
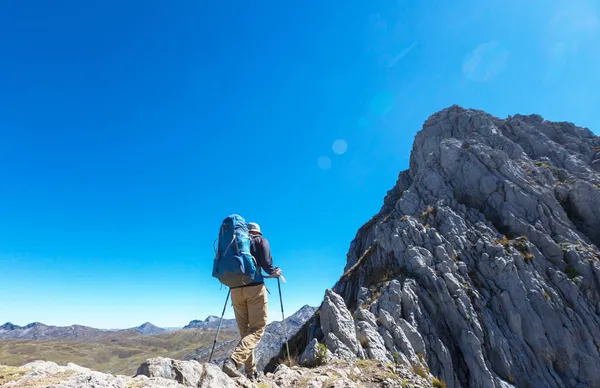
{"x": 41, "y": 332}
{"x": 149, "y": 329}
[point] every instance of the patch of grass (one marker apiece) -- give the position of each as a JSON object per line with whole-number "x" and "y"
{"x": 437, "y": 383}
{"x": 330, "y": 381}
{"x": 263, "y": 385}
{"x": 428, "y": 211}
{"x": 292, "y": 362}
{"x": 377, "y": 370}
{"x": 387, "y": 275}
{"x": 547, "y": 295}
{"x": 521, "y": 244}
{"x": 10, "y": 373}
{"x": 403, "y": 219}
{"x": 387, "y": 218}
{"x": 122, "y": 356}
{"x": 321, "y": 354}
{"x": 363, "y": 342}
{"x": 541, "y": 164}
{"x": 420, "y": 371}
{"x": 46, "y": 381}
{"x": 504, "y": 241}
{"x": 139, "y": 384}
{"x": 571, "y": 272}
{"x": 528, "y": 257}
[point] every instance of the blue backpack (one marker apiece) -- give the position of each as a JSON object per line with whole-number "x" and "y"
{"x": 234, "y": 265}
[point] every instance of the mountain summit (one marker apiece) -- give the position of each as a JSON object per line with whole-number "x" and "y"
{"x": 148, "y": 329}
{"x": 482, "y": 265}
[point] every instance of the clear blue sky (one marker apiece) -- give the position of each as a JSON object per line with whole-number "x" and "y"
{"x": 129, "y": 130}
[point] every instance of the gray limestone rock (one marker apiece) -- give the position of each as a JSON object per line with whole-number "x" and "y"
{"x": 187, "y": 373}
{"x": 315, "y": 354}
{"x": 338, "y": 327}
{"x": 483, "y": 261}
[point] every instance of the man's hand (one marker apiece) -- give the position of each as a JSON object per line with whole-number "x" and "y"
{"x": 276, "y": 273}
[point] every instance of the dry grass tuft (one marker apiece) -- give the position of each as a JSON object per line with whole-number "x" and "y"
{"x": 437, "y": 383}
{"x": 10, "y": 373}
{"x": 547, "y": 295}
{"x": 428, "y": 211}
{"x": 504, "y": 241}
{"x": 419, "y": 370}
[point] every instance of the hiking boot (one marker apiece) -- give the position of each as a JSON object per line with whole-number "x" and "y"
{"x": 252, "y": 376}
{"x": 230, "y": 368}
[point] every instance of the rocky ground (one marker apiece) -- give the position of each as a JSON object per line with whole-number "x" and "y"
{"x": 165, "y": 372}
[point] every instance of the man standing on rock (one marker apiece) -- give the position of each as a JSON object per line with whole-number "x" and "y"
{"x": 250, "y": 307}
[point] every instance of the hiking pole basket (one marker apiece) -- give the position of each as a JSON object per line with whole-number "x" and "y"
{"x": 219, "y": 328}
{"x": 287, "y": 346}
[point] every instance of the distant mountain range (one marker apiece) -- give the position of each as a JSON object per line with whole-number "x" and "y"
{"x": 41, "y": 332}
{"x": 120, "y": 350}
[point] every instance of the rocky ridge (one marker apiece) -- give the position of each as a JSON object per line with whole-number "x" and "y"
{"x": 165, "y": 372}
{"x": 482, "y": 266}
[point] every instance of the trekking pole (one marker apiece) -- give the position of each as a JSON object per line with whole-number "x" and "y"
{"x": 219, "y": 328}
{"x": 287, "y": 346}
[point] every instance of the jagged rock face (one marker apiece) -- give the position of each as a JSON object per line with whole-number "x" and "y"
{"x": 338, "y": 328}
{"x": 484, "y": 258}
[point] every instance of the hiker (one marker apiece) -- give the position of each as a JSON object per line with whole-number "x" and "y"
{"x": 250, "y": 307}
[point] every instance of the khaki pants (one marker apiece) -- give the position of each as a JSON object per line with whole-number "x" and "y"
{"x": 250, "y": 308}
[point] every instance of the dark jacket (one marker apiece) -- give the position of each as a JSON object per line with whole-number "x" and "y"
{"x": 260, "y": 249}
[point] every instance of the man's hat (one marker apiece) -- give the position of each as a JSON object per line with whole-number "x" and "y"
{"x": 253, "y": 227}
